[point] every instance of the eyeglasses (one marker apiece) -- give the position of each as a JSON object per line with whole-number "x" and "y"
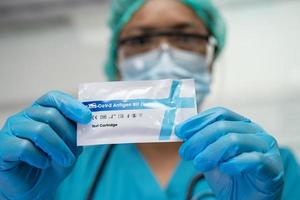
{"x": 133, "y": 45}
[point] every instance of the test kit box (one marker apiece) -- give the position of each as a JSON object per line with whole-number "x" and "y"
{"x": 135, "y": 111}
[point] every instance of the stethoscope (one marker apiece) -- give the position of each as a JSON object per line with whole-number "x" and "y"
{"x": 189, "y": 195}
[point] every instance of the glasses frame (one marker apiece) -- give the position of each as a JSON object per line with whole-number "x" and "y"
{"x": 173, "y": 33}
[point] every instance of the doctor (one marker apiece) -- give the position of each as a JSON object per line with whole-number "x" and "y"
{"x": 223, "y": 154}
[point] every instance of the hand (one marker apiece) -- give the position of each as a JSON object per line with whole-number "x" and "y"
{"x": 238, "y": 158}
{"x": 38, "y": 146}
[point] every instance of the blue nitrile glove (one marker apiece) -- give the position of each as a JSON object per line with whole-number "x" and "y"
{"x": 38, "y": 146}
{"x": 238, "y": 158}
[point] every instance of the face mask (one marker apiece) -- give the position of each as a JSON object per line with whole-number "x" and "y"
{"x": 169, "y": 63}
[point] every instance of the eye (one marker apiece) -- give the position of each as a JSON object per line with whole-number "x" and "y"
{"x": 138, "y": 41}
{"x": 185, "y": 39}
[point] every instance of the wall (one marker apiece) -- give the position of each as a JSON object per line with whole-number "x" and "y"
{"x": 258, "y": 74}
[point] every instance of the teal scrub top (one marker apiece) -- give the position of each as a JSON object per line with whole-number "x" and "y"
{"x": 127, "y": 175}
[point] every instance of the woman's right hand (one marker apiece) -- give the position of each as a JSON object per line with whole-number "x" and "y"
{"x": 38, "y": 146}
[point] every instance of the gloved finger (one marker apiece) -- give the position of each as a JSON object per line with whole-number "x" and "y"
{"x": 189, "y": 127}
{"x": 44, "y": 137}
{"x": 61, "y": 125}
{"x": 264, "y": 166}
{"x": 67, "y": 105}
{"x": 227, "y": 147}
{"x": 13, "y": 149}
{"x": 200, "y": 140}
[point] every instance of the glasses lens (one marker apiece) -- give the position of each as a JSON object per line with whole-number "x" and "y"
{"x": 189, "y": 42}
{"x": 136, "y": 45}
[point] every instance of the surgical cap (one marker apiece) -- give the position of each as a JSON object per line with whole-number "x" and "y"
{"x": 123, "y": 10}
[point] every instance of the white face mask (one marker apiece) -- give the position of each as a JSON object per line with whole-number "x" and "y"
{"x": 169, "y": 63}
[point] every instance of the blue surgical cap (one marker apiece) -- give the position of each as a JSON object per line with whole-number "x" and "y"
{"x": 123, "y": 10}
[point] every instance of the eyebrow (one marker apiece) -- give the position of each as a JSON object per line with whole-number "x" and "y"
{"x": 179, "y": 26}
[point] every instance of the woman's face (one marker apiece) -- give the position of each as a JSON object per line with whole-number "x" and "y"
{"x": 157, "y": 16}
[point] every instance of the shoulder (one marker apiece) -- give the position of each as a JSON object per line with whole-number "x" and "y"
{"x": 287, "y": 155}
{"x": 291, "y": 174}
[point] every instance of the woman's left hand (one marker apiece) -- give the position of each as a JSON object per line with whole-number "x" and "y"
{"x": 238, "y": 158}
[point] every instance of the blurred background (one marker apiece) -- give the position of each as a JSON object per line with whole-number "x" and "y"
{"x": 57, "y": 44}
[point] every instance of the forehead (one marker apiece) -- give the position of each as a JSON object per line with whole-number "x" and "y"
{"x": 162, "y": 14}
